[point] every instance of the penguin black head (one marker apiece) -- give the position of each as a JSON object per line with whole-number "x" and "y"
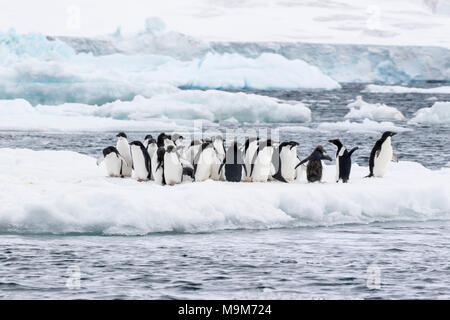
{"x": 176, "y": 136}
{"x": 388, "y": 134}
{"x": 151, "y": 141}
{"x": 122, "y": 135}
{"x": 161, "y": 139}
{"x": 207, "y": 140}
{"x": 148, "y": 137}
{"x": 137, "y": 143}
{"x": 336, "y": 142}
{"x": 320, "y": 149}
{"x": 293, "y": 144}
{"x": 170, "y": 149}
{"x": 110, "y": 150}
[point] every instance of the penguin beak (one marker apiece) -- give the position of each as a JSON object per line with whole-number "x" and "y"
{"x": 393, "y": 134}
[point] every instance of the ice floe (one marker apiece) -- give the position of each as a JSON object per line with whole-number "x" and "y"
{"x": 359, "y": 109}
{"x": 439, "y": 113}
{"x": 401, "y": 89}
{"x": 61, "y": 192}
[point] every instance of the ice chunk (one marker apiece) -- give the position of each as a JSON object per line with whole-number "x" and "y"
{"x": 359, "y": 109}
{"x": 67, "y": 192}
{"x": 400, "y": 89}
{"x": 365, "y": 126}
{"x": 439, "y": 113}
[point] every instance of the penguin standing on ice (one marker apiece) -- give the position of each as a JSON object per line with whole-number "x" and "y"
{"x": 114, "y": 162}
{"x": 157, "y": 162}
{"x": 314, "y": 167}
{"x": 124, "y": 149}
{"x": 220, "y": 153}
{"x": 233, "y": 167}
{"x": 203, "y": 162}
{"x": 381, "y": 155}
{"x": 141, "y": 161}
{"x": 250, "y": 147}
{"x": 261, "y": 167}
{"x": 151, "y": 147}
{"x": 343, "y": 161}
{"x": 173, "y": 169}
{"x": 286, "y": 161}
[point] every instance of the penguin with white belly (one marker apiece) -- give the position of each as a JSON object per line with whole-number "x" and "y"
{"x": 233, "y": 168}
{"x": 158, "y": 166}
{"x": 124, "y": 149}
{"x": 250, "y": 147}
{"x": 220, "y": 156}
{"x": 287, "y": 161}
{"x": 173, "y": 169}
{"x": 151, "y": 147}
{"x": 314, "y": 168}
{"x": 114, "y": 162}
{"x": 192, "y": 151}
{"x": 343, "y": 161}
{"x": 141, "y": 161}
{"x": 203, "y": 162}
{"x": 261, "y": 166}
{"x": 381, "y": 155}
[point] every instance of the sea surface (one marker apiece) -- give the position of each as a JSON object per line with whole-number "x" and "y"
{"x": 383, "y": 260}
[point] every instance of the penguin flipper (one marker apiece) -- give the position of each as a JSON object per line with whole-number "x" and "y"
{"x": 351, "y": 151}
{"x": 302, "y": 162}
{"x": 100, "y": 160}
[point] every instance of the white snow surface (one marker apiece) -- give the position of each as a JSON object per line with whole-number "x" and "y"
{"x": 401, "y": 89}
{"x": 63, "y": 192}
{"x": 439, "y": 113}
{"x": 359, "y": 109}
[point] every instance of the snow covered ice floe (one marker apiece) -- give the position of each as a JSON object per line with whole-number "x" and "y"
{"x": 359, "y": 109}
{"x": 65, "y": 192}
{"x": 365, "y": 126}
{"x": 401, "y": 89}
{"x": 439, "y": 113}
{"x": 169, "y": 108}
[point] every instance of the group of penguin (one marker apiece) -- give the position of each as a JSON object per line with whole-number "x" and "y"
{"x": 168, "y": 162}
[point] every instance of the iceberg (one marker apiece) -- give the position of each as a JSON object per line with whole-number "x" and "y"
{"x": 401, "y": 89}
{"x": 169, "y": 107}
{"x": 50, "y": 72}
{"x": 359, "y": 109}
{"x": 58, "y": 192}
{"x": 439, "y": 113}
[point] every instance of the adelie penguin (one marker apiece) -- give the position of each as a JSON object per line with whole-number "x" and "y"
{"x": 381, "y": 155}
{"x": 114, "y": 162}
{"x": 261, "y": 167}
{"x": 343, "y": 161}
{"x": 314, "y": 167}
{"x": 250, "y": 147}
{"x": 220, "y": 153}
{"x": 141, "y": 161}
{"x": 173, "y": 169}
{"x": 285, "y": 160}
{"x": 204, "y": 161}
{"x": 158, "y": 166}
{"x": 124, "y": 149}
{"x": 233, "y": 167}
